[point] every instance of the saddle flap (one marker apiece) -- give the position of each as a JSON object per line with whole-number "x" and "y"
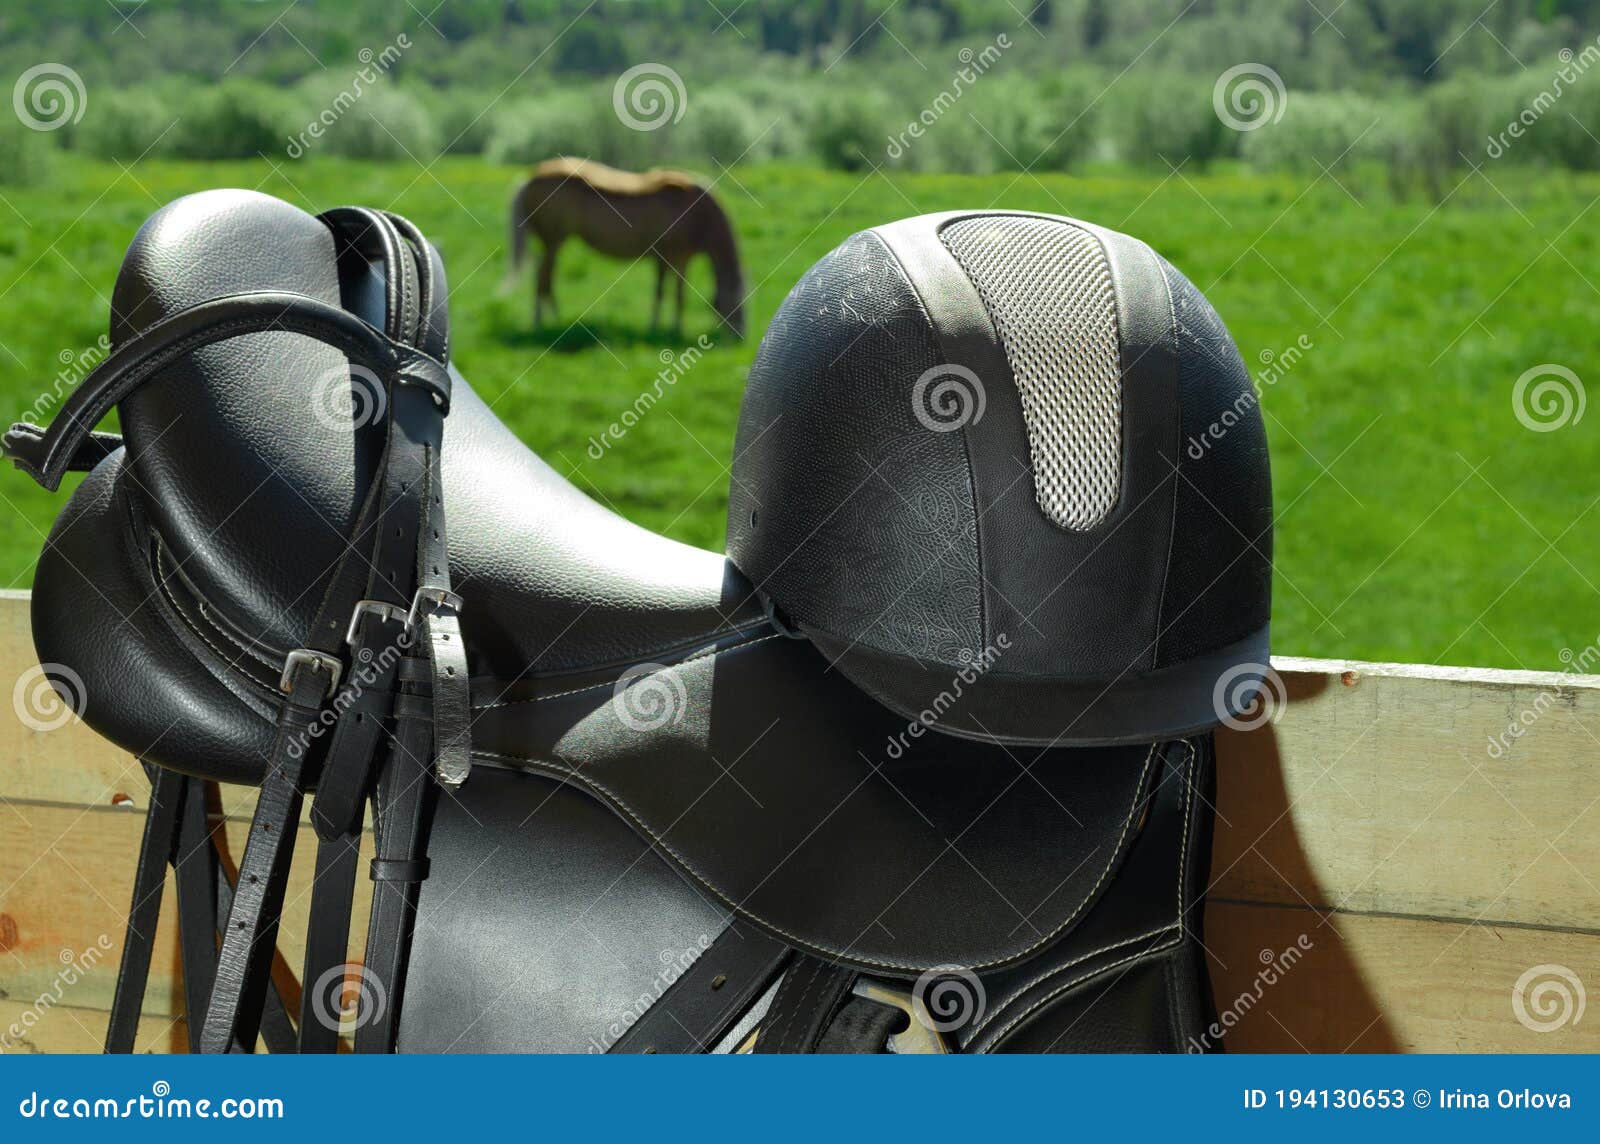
{"x": 801, "y": 804}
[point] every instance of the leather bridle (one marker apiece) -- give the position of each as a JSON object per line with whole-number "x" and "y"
{"x": 390, "y": 590}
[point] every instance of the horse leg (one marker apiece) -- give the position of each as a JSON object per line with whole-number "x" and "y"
{"x": 661, "y": 285}
{"x": 677, "y": 325}
{"x": 545, "y": 287}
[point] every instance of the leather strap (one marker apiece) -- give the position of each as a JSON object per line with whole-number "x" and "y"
{"x": 195, "y": 869}
{"x": 149, "y": 883}
{"x": 699, "y": 1008}
{"x": 245, "y": 962}
{"x": 810, "y": 995}
{"x": 860, "y": 1026}
{"x": 277, "y": 1031}
{"x": 327, "y": 935}
{"x": 45, "y": 455}
{"x": 400, "y": 821}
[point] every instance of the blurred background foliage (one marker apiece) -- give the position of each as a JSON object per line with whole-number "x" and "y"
{"x": 1417, "y": 86}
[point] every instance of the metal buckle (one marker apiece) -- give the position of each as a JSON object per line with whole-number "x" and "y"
{"x": 440, "y": 597}
{"x": 392, "y": 612}
{"x": 317, "y": 661}
{"x": 919, "y": 1036}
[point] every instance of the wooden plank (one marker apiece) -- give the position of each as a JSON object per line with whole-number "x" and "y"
{"x": 66, "y": 878}
{"x": 26, "y": 1028}
{"x": 1429, "y": 792}
{"x": 1361, "y": 983}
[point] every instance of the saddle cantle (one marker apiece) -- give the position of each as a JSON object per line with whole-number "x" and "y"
{"x": 923, "y": 765}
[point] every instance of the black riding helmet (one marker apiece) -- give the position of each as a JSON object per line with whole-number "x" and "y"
{"x": 1007, "y": 472}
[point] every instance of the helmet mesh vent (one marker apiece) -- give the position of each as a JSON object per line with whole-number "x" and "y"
{"x": 1048, "y": 288}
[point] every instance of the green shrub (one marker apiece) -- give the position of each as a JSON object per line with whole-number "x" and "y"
{"x": 721, "y": 125}
{"x": 1161, "y": 118}
{"x": 128, "y": 124}
{"x": 26, "y": 155}
{"x": 1318, "y": 131}
{"x": 579, "y": 123}
{"x": 236, "y": 120}
{"x": 1044, "y": 125}
{"x": 386, "y": 122}
{"x": 1555, "y": 120}
{"x": 850, "y": 130}
{"x": 463, "y": 118}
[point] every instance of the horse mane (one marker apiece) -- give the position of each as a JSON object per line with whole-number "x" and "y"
{"x": 612, "y": 181}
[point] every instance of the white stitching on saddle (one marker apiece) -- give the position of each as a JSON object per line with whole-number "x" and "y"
{"x": 1183, "y": 848}
{"x": 1079, "y": 980}
{"x": 701, "y": 654}
{"x": 573, "y": 774}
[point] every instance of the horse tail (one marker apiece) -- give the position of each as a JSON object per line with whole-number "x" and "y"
{"x": 518, "y": 246}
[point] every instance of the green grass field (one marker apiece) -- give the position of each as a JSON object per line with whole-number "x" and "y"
{"x": 1418, "y": 518}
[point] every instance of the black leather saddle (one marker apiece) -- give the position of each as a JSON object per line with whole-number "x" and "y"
{"x": 923, "y": 765}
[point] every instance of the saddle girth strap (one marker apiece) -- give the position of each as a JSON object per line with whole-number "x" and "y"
{"x": 703, "y": 1004}
{"x": 149, "y": 884}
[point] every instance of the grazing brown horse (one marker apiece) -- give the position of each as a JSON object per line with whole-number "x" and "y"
{"x": 664, "y": 215}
